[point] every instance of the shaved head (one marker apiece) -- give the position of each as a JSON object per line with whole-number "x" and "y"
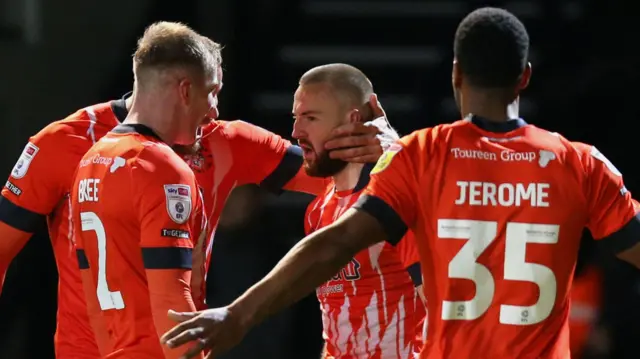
{"x": 350, "y": 85}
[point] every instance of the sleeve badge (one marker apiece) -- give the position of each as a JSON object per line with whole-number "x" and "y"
{"x": 178, "y": 202}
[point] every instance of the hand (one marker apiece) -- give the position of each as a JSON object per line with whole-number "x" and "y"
{"x": 355, "y": 142}
{"x": 215, "y": 329}
{"x": 376, "y": 107}
{"x": 362, "y": 142}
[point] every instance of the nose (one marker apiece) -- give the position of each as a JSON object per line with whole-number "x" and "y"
{"x": 297, "y": 132}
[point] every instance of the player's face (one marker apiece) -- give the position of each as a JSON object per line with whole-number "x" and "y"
{"x": 317, "y": 112}
{"x": 202, "y": 105}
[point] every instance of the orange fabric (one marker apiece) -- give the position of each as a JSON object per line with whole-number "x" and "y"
{"x": 302, "y": 182}
{"x": 586, "y": 300}
{"x": 506, "y": 211}
{"x": 135, "y": 217}
{"x": 236, "y": 153}
{"x": 40, "y": 183}
{"x": 370, "y": 307}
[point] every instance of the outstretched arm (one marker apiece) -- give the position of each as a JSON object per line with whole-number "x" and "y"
{"x": 307, "y": 265}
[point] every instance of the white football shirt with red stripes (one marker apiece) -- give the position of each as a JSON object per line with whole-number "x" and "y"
{"x": 370, "y": 309}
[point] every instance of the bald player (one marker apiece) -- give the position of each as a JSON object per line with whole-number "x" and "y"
{"x": 498, "y": 207}
{"x": 372, "y": 307}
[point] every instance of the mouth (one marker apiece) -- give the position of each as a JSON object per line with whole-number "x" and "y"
{"x": 307, "y": 152}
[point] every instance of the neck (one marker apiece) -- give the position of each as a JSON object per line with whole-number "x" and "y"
{"x": 348, "y": 178}
{"x": 156, "y": 112}
{"x": 128, "y": 102}
{"x": 488, "y": 106}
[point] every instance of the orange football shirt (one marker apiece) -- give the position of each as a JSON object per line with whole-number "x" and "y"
{"x": 136, "y": 213}
{"x": 236, "y": 153}
{"x": 498, "y": 212}
{"x": 370, "y": 308}
{"x": 39, "y": 187}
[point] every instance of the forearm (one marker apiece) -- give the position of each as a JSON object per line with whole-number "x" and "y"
{"x": 168, "y": 292}
{"x": 304, "y": 183}
{"x": 307, "y": 265}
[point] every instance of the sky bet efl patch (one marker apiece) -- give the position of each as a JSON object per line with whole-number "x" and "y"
{"x": 21, "y": 167}
{"x": 178, "y": 202}
{"x": 385, "y": 160}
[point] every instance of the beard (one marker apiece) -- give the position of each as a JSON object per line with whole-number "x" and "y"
{"x": 324, "y": 166}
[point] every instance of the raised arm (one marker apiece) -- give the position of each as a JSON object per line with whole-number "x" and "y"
{"x": 384, "y": 213}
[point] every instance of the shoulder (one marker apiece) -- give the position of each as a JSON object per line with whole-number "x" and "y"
{"x": 72, "y": 125}
{"x": 158, "y": 161}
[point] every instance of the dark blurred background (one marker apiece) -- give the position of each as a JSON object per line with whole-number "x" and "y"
{"x": 57, "y": 57}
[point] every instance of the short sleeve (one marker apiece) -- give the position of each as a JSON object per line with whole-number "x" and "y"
{"x": 612, "y": 211}
{"x": 389, "y": 197}
{"x": 410, "y": 257}
{"x": 39, "y": 179}
{"x": 261, "y": 156}
{"x": 167, "y": 204}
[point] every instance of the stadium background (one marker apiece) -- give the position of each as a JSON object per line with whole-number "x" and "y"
{"x": 56, "y": 57}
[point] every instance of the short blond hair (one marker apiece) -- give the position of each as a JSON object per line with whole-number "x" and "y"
{"x": 168, "y": 45}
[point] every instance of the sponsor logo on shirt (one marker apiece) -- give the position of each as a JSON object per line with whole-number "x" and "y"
{"x": 21, "y": 167}
{"x": 178, "y": 202}
{"x": 385, "y": 160}
{"x": 174, "y": 233}
{"x": 13, "y": 188}
{"x": 543, "y": 157}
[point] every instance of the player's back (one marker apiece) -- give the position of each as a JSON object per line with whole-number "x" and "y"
{"x": 120, "y": 236}
{"x": 39, "y": 186}
{"x": 503, "y": 207}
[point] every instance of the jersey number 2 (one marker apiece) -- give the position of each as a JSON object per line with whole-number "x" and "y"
{"x": 107, "y": 299}
{"x": 464, "y": 265}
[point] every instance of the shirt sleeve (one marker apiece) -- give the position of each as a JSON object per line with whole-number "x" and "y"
{"x": 613, "y": 213}
{"x": 261, "y": 156}
{"x": 37, "y": 182}
{"x": 389, "y": 197}
{"x": 167, "y": 199}
{"x": 167, "y": 203}
{"x": 410, "y": 257}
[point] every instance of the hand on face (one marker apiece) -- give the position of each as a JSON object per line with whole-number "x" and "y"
{"x": 357, "y": 141}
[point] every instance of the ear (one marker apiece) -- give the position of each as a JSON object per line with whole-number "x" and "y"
{"x": 185, "y": 91}
{"x": 456, "y": 75}
{"x": 355, "y": 115}
{"x": 526, "y": 76}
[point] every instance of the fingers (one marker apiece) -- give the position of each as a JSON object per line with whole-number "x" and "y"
{"x": 376, "y": 106}
{"x": 180, "y": 317}
{"x": 363, "y": 154}
{"x": 352, "y": 141}
{"x": 185, "y": 336}
{"x": 169, "y": 336}
{"x": 197, "y": 347}
{"x": 355, "y": 128}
